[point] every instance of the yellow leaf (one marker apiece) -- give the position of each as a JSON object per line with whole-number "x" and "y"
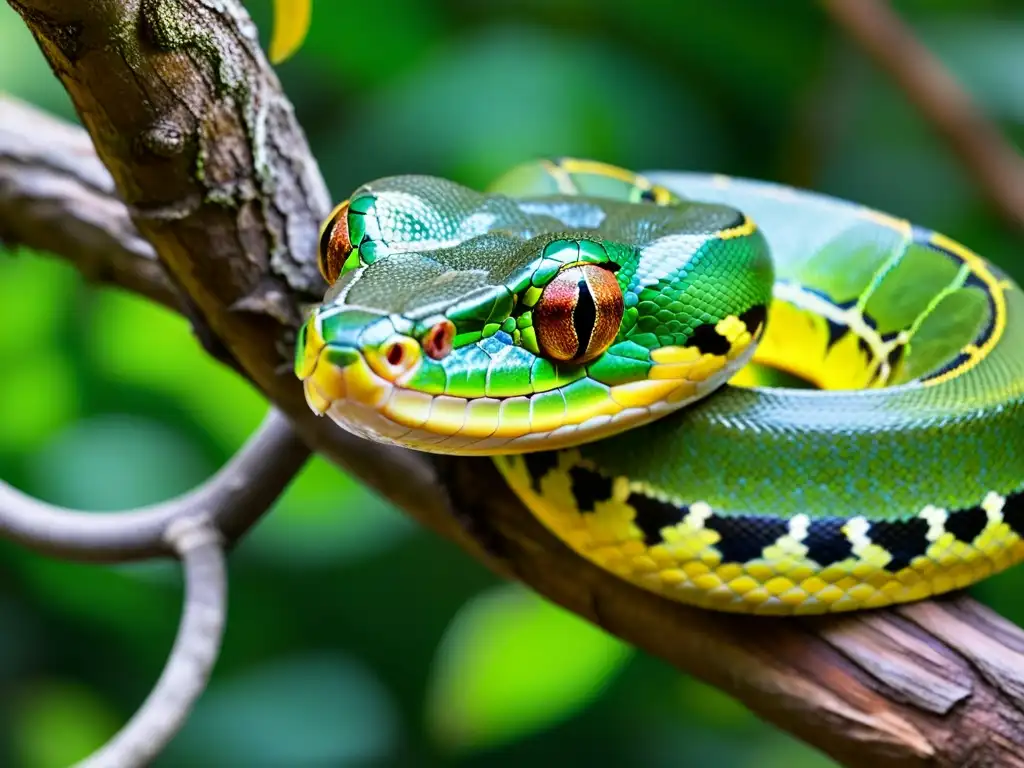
{"x": 291, "y": 24}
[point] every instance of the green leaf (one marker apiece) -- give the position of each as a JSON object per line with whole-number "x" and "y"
{"x": 307, "y": 711}
{"x": 512, "y": 664}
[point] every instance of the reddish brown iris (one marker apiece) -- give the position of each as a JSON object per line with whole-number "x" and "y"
{"x": 437, "y": 342}
{"x": 335, "y": 245}
{"x": 578, "y": 314}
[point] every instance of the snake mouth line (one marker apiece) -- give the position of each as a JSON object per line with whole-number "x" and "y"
{"x": 364, "y": 403}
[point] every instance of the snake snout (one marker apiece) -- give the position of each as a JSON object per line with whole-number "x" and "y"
{"x": 325, "y": 369}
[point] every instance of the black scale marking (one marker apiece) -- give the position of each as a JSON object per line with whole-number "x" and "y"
{"x": 538, "y": 465}
{"x": 1013, "y": 512}
{"x": 709, "y": 341}
{"x": 836, "y": 331}
{"x": 744, "y": 537}
{"x": 903, "y": 539}
{"x": 955, "y": 363}
{"x": 864, "y": 347}
{"x": 825, "y": 541}
{"x": 738, "y": 221}
{"x": 653, "y": 515}
{"x": 754, "y": 318}
{"x": 966, "y": 524}
{"x": 589, "y": 487}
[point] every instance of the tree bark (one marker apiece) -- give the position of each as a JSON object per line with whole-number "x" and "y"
{"x": 216, "y": 175}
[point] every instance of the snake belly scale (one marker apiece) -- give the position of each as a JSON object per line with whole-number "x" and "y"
{"x": 739, "y": 395}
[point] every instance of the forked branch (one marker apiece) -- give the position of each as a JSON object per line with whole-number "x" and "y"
{"x": 195, "y": 527}
{"x": 936, "y": 684}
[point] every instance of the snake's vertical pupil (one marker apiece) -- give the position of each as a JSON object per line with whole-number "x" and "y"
{"x": 578, "y": 313}
{"x": 335, "y": 244}
{"x": 584, "y": 316}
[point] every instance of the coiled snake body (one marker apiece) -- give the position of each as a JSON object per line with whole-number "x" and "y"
{"x": 767, "y": 401}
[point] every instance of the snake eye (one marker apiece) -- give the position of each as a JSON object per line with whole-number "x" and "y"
{"x": 335, "y": 244}
{"x": 437, "y": 342}
{"x": 578, "y": 314}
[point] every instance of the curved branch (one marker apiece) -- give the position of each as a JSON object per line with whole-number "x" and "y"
{"x": 997, "y": 168}
{"x": 192, "y": 656}
{"x": 934, "y": 684}
{"x": 232, "y": 500}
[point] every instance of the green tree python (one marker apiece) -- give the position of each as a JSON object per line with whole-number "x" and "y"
{"x": 736, "y": 394}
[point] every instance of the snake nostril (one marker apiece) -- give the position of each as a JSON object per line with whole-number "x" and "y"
{"x": 395, "y": 354}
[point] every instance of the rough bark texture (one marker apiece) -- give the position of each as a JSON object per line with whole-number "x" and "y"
{"x": 216, "y": 174}
{"x": 203, "y": 147}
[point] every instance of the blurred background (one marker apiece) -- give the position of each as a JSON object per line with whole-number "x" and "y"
{"x": 355, "y": 638}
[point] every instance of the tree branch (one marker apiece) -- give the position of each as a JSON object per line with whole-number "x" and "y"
{"x": 232, "y": 215}
{"x": 195, "y": 650}
{"x": 56, "y": 197}
{"x": 997, "y": 168}
{"x": 233, "y": 500}
{"x": 194, "y": 527}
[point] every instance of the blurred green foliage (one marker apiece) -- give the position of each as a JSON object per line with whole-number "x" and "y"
{"x": 355, "y": 638}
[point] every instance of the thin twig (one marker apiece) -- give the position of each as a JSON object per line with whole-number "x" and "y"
{"x": 997, "y": 168}
{"x": 192, "y": 656}
{"x": 233, "y": 499}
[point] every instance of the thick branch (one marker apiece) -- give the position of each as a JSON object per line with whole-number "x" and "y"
{"x": 56, "y": 196}
{"x": 933, "y": 684}
{"x": 997, "y": 168}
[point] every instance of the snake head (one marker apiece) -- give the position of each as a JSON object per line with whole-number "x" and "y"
{"x": 527, "y": 335}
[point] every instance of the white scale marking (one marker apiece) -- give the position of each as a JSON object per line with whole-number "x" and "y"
{"x": 798, "y": 527}
{"x": 993, "y": 506}
{"x": 856, "y": 530}
{"x": 936, "y": 519}
{"x": 700, "y": 511}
